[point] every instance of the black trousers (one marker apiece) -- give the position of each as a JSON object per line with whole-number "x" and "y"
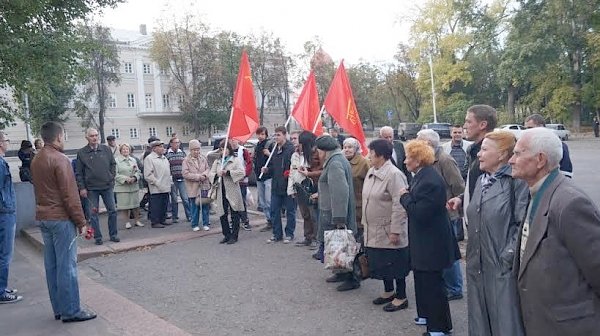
{"x": 158, "y": 208}
{"x": 432, "y": 302}
{"x": 230, "y": 232}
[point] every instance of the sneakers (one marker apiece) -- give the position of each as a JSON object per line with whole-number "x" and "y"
{"x": 138, "y": 223}
{"x": 128, "y": 225}
{"x": 196, "y": 228}
{"x": 453, "y": 297}
{"x": 420, "y": 321}
{"x": 206, "y": 228}
{"x": 10, "y": 298}
{"x": 273, "y": 240}
{"x": 246, "y": 226}
{"x": 11, "y": 290}
{"x": 288, "y": 240}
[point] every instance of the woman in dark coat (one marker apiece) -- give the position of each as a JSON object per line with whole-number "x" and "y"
{"x": 25, "y": 154}
{"x": 431, "y": 242}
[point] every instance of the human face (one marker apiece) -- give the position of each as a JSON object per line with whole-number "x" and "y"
{"x": 4, "y": 142}
{"x": 195, "y": 152}
{"x": 387, "y": 135}
{"x": 112, "y": 143}
{"x": 160, "y": 149}
{"x": 474, "y": 129}
{"x": 525, "y": 164}
{"x": 530, "y": 124}
{"x": 280, "y": 138}
{"x": 411, "y": 163}
{"x": 261, "y": 136}
{"x": 376, "y": 160}
{"x": 92, "y": 137}
{"x": 457, "y": 134}
{"x": 490, "y": 157}
{"x": 125, "y": 151}
{"x": 349, "y": 150}
{"x": 235, "y": 144}
{"x": 294, "y": 139}
{"x": 175, "y": 143}
{"x": 321, "y": 154}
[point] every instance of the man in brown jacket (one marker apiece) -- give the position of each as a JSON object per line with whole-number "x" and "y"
{"x": 60, "y": 216}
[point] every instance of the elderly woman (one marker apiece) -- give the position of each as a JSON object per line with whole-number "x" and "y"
{"x": 360, "y": 166}
{"x": 127, "y": 188}
{"x": 385, "y": 226}
{"x": 432, "y": 244}
{"x": 336, "y": 204}
{"x": 195, "y": 171}
{"x": 494, "y": 213}
{"x": 227, "y": 173}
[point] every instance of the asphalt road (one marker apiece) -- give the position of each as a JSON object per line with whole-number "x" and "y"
{"x": 252, "y": 288}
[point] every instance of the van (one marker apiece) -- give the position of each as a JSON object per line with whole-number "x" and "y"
{"x": 407, "y": 131}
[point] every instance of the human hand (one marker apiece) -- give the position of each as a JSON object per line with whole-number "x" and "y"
{"x": 453, "y": 203}
{"x": 264, "y": 170}
{"x": 314, "y": 196}
{"x": 266, "y": 152}
{"x": 220, "y": 173}
{"x": 394, "y": 238}
{"x": 83, "y": 193}
{"x": 403, "y": 191}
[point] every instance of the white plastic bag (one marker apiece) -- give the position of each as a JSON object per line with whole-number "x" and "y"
{"x": 250, "y": 202}
{"x": 340, "y": 250}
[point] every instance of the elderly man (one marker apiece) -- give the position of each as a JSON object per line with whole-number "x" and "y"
{"x": 95, "y": 173}
{"x": 336, "y": 201}
{"x": 157, "y": 173}
{"x": 398, "y": 156}
{"x": 445, "y": 165}
{"x": 175, "y": 156}
{"x": 565, "y": 166}
{"x": 559, "y": 260}
{"x": 111, "y": 141}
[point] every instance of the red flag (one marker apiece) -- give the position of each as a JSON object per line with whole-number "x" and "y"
{"x": 339, "y": 103}
{"x": 243, "y": 121}
{"x": 306, "y": 111}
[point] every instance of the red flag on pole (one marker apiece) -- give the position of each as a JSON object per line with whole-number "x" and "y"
{"x": 306, "y": 111}
{"x": 243, "y": 121}
{"x": 339, "y": 103}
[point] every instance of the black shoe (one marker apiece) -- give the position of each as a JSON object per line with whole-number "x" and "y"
{"x": 381, "y": 300}
{"x": 348, "y": 285}
{"x": 98, "y": 241}
{"x": 175, "y": 221}
{"x": 317, "y": 256}
{"x": 246, "y": 226}
{"x": 166, "y": 224}
{"x": 57, "y": 317}
{"x": 305, "y": 242}
{"x": 115, "y": 239}
{"x": 224, "y": 240}
{"x": 80, "y": 317}
{"x": 390, "y": 307}
{"x": 231, "y": 241}
{"x": 338, "y": 277}
{"x": 453, "y": 297}
{"x": 157, "y": 226}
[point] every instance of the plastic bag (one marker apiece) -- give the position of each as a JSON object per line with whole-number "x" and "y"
{"x": 250, "y": 199}
{"x": 340, "y": 250}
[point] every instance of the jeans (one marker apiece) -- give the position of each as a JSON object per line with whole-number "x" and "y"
{"x": 277, "y": 202}
{"x": 109, "y": 202}
{"x": 453, "y": 279}
{"x": 60, "y": 262}
{"x": 196, "y": 209}
{"x": 244, "y": 214}
{"x": 264, "y": 197}
{"x": 179, "y": 187}
{"x": 8, "y": 225}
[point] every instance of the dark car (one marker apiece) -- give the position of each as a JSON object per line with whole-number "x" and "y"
{"x": 443, "y": 129}
{"x": 407, "y": 131}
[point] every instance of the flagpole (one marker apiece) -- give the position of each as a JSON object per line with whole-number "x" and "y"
{"x": 314, "y": 129}
{"x": 226, "y": 138}
{"x": 271, "y": 154}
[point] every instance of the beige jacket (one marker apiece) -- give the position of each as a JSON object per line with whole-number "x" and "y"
{"x": 195, "y": 173}
{"x": 231, "y": 181}
{"x": 382, "y": 212}
{"x": 157, "y": 173}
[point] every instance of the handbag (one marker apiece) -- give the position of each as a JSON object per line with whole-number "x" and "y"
{"x": 361, "y": 266}
{"x": 340, "y": 250}
{"x": 204, "y": 198}
{"x": 304, "y": 190}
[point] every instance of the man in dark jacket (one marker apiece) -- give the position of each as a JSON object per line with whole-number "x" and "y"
{"x": 398, "y": 155}
{"x": 279, "y": 168}
{"x": 96, "y": 169}
{"x": 263, "y": 184}
{"x": 565, "y": 166}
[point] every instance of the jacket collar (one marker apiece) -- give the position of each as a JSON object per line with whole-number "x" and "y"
{"x": 356, "y": 159}
{"x": 382, "y": 172}
{"x": 331, "y": 154}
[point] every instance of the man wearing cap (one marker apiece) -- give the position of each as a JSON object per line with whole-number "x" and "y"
{"x": 336, "y": 201}
{"x": 157, "y": 173}
{"x": 111, "y": 141}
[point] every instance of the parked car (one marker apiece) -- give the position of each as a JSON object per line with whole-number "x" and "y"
{"x": 407, "y": 131}
{"x": 560, "y": 130}
{"x": 513, "y": 128}
{"x": 443, "y": 129}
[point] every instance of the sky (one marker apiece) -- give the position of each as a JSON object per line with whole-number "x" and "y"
{"x": 350, "y": 30}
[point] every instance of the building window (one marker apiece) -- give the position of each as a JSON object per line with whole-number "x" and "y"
{"x": 169, "y": 131}
{"x": 186, "y": 130}
{"x": 147, "y": 68}
{"x": 133, "y": 133}
{"x": 166, "y": 101}
{"x": 152, "y": 131}
{"x": 115, "y": 132}
{"x": 112, "y": 100}
{"x": 164, "y": 72}
{"x": 128, "y": 67}
{"x": 180, "y": 98}
{"x": 130, "y": 100}
{"x": 66, "y": 135}
{"x": 148, "y": 100}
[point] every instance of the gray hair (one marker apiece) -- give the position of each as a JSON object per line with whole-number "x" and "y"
{"x": 90, "y": 130}
{"x": 353, "y": 142}
{"x": 385, "y": 129}
{"x": 544, "y": 140}
{"x": 429, "y": 135}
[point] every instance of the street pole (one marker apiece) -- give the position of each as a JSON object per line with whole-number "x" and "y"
{"x": 432, "y": 87}
{"x": 27, "y": 124}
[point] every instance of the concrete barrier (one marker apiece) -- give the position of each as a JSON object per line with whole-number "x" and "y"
{"x": 25, "y": 205}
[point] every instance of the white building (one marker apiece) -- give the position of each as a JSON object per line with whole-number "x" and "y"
{"x": 142, "y": 105}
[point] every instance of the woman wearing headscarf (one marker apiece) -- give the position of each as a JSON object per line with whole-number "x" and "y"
{"x": 227, "y": 172}
{"x": 432, "y": 244}
{"x": 195, "y": 171}
{"x": 495, "y": 212}
{"x": 127, "y": 188}
{"x": 359, "y": 166}
{"x": 386, "y": 226}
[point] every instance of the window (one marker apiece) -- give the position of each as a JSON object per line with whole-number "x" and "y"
{"x": 115, "y": 132}
{"x": 128, "y": 67}
{"x": 133, "y": 133}
{"x": 169, "y": 131}
{"x": 148, "y": 100}
{"x": 166, "y": 101}
{"x": 186, "y": 130}
{"x": 164, "y": 72}
{"x": 147, "y": 68}
{"x": 112, "y": 100}
{"x": 66, "y": 134}
{"x": 180, "y": 98}
{"x": 152, "y": 131}
{"x": 130, "y": 100}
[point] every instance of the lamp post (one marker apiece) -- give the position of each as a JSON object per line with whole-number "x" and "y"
{"x": 432, "y": 85}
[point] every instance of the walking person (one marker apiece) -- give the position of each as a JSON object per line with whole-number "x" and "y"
{"x": 175, "y": 155}
{"x": 263, "y": 184}
{"x": 127, "y": 186}
{"x": 60, "y": 216}
{"x": 596, "y": 126}
{"x": 195, "y": 173}
{"x": 96, "y": 168}
{"x": 227, "y": 174}
{"x": 386, "y": 226}
{"x": 157, "y": 173}
{"x": 8, "y": 225}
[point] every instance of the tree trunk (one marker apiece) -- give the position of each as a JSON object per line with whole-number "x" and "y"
{"x": 510, "y": 103}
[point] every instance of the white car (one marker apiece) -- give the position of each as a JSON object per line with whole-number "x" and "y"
{"x": 560, "y": 130}
{"x": 513, "y": 128}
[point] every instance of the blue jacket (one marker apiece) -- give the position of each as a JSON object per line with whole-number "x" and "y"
{"x": 7, "y": 190}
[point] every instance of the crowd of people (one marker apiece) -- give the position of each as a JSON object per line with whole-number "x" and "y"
{"x": 533, "y": 251}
